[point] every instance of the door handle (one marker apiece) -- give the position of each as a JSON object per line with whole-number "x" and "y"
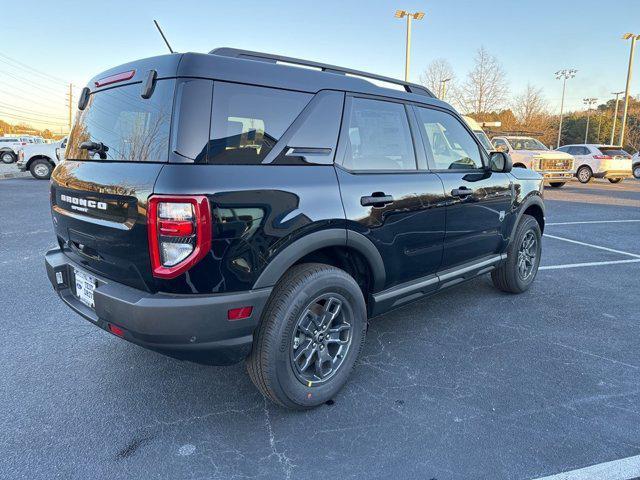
{"x": 377, "y": 199}
{"x": 461, "y": 192}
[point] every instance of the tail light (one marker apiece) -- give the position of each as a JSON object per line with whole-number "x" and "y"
{"x": 179, "y": 229}
{"x": 602, "y": 157}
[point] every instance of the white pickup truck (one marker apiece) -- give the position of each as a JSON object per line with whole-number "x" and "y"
{"x": 526, "y": 152}
{"x": 41, "y": 158}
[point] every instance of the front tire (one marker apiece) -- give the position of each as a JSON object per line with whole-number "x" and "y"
{"x": 557, "y": 184}
{"x": 584, "y": 174}
{"x": 615, "y": 180}
{"x": 523, "y": 258}
{"x": 7, "y": 157}
{"x": 41, "y": 169}
{"x": 310, "y": 335}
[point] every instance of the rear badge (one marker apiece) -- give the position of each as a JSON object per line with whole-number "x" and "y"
{"x": 82, "y": 204}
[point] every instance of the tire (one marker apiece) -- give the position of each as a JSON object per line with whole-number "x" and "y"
{"x": 557, "y": 184}
{"x": 584, "y": 174}
{"x": 615, "y": 180}
{"x": 41, "y": 169}
{"x": 508, "y": 276}
{"x": 636, "y": 170}
{"x": 7, "y": 157}
{"x": 271, "y": 364}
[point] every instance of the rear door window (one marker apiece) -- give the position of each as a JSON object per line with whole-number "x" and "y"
{"x": 247, "y": 121}
{"x": 129, "y": 127}
{"x": 378, "y": 137}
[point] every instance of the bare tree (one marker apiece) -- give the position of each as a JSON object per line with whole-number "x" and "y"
{"x": 485, "y": 88}
{"x": 530, "y": 105}
{"x": 438, "y": 72}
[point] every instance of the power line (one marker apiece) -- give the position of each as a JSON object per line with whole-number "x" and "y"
{"x": 33, "y": 120}
{"x": 31, "y": 82}
{"x": 48, "y": 101}
{"x": 27, "y": 67}
{"x": 34, "y": 112}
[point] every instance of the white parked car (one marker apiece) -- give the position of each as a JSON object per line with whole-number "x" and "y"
{"x": 10, "y": 145}
{"x": 527, "y": 152}
{"x": 599, "y": 161}
{"x": 635, "y": 165}
{"x": 41, "y": 158}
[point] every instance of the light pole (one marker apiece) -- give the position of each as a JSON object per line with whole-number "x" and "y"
{"x": 410, "y": 16}
{"x": 564, "y": 74}
{"x": 615, "y": 115}
{"x": 633, "y": 38}
{"x": 588, "y": 102}
{"x": 443, "y": 88}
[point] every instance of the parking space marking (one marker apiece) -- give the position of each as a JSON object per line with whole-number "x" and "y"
{"x": 592, "y": 245}
{"x": 593, "y": 221}
{"x": 587, "y": 264}
{"x": 623, "y": 469}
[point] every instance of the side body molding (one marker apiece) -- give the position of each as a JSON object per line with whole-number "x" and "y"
{"x": 334, "y": 237}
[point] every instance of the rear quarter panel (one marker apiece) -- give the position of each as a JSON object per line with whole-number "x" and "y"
{"x": 258, "y": 210}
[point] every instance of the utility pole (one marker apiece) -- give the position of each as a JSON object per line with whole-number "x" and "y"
{"x": 588, "y": 102}
{"x": 70, "y": 94}
{"x": 410, "y": 16}
{"x": 615, "y": 116}
{"x": 564, "y": 74}
{"x": 443, "y": 88}
{"x": 633, "y": 38}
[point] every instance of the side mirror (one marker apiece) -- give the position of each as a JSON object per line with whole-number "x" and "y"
{"x": 500, "y": 162}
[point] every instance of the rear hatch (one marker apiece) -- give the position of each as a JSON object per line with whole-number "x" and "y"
{"x": 615, "y": 158}
{"x": 116, "y": 149}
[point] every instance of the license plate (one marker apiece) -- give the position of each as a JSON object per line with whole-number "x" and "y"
{"x": 85, "y": 285}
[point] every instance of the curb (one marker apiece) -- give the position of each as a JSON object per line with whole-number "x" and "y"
{"x": 8, "y": 176}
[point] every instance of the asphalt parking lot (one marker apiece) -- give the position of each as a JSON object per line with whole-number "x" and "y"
{"x": 471, "y": 383}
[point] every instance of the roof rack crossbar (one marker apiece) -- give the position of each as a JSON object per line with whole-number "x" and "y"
{"x": 271, "y": 58}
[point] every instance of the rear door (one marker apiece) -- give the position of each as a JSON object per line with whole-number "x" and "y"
{"x": 478, "y": 201}
{"x": 385, "y": 196}
{"x": 115, "y": 151}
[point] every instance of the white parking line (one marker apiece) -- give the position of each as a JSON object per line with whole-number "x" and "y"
{"x": 623, "y": 469}
{"x": 588, "y": 264}
{"x": 592, "y": 246}
{"x": 593, "y": 221}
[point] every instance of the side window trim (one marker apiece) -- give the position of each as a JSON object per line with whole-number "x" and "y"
{"x": 343, "y": 137}
{"x": 430, "y": 160}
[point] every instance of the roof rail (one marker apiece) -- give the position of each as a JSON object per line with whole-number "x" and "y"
{"x": 271, "y": 58}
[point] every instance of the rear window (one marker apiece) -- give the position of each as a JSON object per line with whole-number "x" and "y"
{"x": 131, "y": 128}
{"x": 613, "y": 151}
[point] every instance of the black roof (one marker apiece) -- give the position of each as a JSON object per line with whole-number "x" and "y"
{"x": 257, "y": 68}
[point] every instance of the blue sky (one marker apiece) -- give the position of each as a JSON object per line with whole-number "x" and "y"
{"x": 532, "y": 39}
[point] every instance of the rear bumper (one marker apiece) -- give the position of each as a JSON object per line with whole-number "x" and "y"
{"x": 613, "y": 174}
{"x": 189, "y": 327}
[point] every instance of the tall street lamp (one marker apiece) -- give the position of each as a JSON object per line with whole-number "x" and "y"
{"x": 564, "y": 74}
{"x": 588, "y": 102}
{"x": 410, "y": 16}
{"x": 443, "y": 88}
{"x": 633, "y": 38}
{"x": 615, "y": 116}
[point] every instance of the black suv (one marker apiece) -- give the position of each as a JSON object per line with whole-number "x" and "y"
{"x": 231, "y": 205}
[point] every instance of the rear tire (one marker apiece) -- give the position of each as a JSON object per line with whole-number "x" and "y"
{"x": 557, "y": 184}
{"x": 584, "y": 174}
{"x": 41, "y": 169}
{"x": 7, "y": 157}
{"x": 636, "y": 170}
{"x": 281, "y": 346}
{"x": 615, "y": 180}
{"x": 511, "y": 276}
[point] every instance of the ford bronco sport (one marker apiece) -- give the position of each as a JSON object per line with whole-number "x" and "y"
{"x": 232, "y": 205}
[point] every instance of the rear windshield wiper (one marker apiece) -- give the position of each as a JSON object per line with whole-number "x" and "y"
{"x": 97, "y": 147}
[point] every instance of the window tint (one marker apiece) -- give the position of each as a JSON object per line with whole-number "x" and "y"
{"x": 498, "y": 142}
{"x": 563, "y": 149}
{"x": 583, "y": 151}
{"x": 130, "y": 127}
{"x": 614, "y": 151}
{"x": 449, "y": 144}
{"x": 247, "y": 121}
{"x": 378, "y": 137}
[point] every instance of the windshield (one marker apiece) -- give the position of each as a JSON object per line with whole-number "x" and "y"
{"x": 484, "y": 140}
{"x": 118, "y": 124}
{"x": 526, "y": 143}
